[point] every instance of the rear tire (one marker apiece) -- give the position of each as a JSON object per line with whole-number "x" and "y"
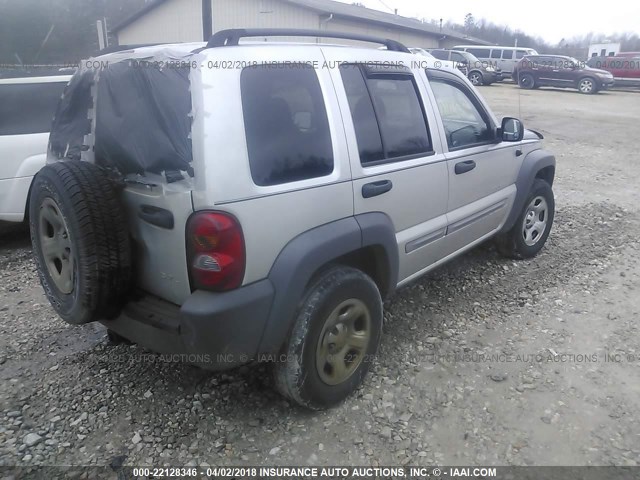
{"x": 333, "y": 341}
{"x": 532, "y": 228}
{"x": 526, "y": 81}
{"x": 80, "y": 241}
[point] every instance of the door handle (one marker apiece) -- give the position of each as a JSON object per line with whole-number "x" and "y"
{"x": 464, "y": 167}
{"x": 376, "y": 188}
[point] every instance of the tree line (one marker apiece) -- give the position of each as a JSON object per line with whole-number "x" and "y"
{"x": 64, "y": 31}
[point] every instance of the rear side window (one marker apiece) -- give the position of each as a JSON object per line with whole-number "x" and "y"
{"x": 388, "y": 115}
{"x": 496, "y": 53}
{"x": 507, "y": 54}
{"x": 28, "y": 108}
{"x": 286, "y": 124}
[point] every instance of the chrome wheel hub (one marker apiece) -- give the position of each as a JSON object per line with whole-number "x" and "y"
{"x": 535, "y": 221}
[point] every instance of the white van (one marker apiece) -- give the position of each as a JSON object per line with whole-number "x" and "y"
{"x": 27, "y": 106}
{"x": 504, "y": 58}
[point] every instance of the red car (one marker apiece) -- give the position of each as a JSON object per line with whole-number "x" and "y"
{"x": 619, "y": 66}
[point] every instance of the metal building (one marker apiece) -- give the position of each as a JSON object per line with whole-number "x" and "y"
{"x": 195, "y": 20}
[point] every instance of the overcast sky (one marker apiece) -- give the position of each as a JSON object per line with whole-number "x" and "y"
{"x": 552, "y": 20}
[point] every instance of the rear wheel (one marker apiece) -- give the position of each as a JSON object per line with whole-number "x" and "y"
{"x": 334, "y": 339}
{"x": 587, "y": 86}
{"x": 527, "y": 81}
{"x": 80, "y": 241}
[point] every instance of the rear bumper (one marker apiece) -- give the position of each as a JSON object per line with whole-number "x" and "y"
{"x": 216, "y": 331}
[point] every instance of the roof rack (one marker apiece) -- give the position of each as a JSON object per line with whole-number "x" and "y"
{"x": 227, "y": 38}
{"x": 124, "y": 48}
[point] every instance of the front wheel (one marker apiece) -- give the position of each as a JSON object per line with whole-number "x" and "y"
{"x": 587, "y": 86}
{"x": 531, "y": 230}
{"x": 334, "y": 340}
{"x": 476, "y": 78}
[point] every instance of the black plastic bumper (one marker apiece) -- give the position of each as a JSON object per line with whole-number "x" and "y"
{"x": 216, "y": 331}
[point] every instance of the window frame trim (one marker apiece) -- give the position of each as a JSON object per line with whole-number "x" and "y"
{"x": 403, "y": 158}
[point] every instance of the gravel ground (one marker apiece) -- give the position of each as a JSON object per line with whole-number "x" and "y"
{"x": 485, "y": 361}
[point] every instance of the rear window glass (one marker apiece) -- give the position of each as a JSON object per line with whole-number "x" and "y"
{"x": 286, "y": 124}
{"x": 28, "y": 108}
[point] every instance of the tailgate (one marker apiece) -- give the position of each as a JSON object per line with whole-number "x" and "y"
{"x": 158, "y": 214}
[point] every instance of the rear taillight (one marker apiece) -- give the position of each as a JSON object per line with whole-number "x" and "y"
{"x": 215, "y": 251}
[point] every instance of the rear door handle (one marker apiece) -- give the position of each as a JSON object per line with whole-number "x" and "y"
{"x": 464, "y": 167}
{"x": 376, "y": 188}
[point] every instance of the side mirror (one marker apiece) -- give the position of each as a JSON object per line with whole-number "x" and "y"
{"x": 512, "y": 130}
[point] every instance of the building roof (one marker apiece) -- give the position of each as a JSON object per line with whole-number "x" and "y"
{"x": 344, "y": 10}
{"x": 351, "y": 11}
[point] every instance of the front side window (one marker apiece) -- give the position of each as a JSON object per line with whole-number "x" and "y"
{"x": 458, "y": 57}
{"x": 28, "y": 108}
{"x": 286, "y": 124}
{"x": 387, "y": 114}
{"x": 440, "y": 54}
{"x": 465, "y": 123}
{"x": 520, "y": 54}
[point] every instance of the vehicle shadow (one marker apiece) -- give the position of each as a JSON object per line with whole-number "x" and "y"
{"x": 14, "y": 235}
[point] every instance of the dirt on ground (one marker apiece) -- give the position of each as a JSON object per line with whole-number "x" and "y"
{"x": 484, "y": 361}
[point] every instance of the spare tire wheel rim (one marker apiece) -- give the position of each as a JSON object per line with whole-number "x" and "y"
{"x": 535, "y": 221}
{"x": 343, "y": 342}
{"x": 55, "y": 243}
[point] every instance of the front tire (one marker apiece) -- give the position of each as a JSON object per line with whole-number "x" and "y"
{"x": 334, "y": 339}
{"x": 532, "y": 228}
{"x": 476, "y": 79}
{"x": 587, "y": 86}
{"x": 527, "y": 81}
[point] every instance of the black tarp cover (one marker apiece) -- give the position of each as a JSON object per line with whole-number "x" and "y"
{"x": 70, "y": 122}
{"x": 142, "y": 119}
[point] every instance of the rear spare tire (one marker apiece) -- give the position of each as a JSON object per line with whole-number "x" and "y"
{"x": 80, "y": 241}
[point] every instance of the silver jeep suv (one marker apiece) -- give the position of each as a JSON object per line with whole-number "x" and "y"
{"x": 243, "y": 202}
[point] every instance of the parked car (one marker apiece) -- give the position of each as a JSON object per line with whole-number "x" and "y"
{"x": 478, "y": 72}
{"x": 27, "y": 105}
{"x": 263, "y": 213}
{"x": 504, "y": 58}
{"x": 620, "y": 67}
{"x": 436, "y": 62}
{"x": 535, "y": 71}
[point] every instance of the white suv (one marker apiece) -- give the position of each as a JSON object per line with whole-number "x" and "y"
{"x": 252, "y": 202}
{"x": 27, "y": 105}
